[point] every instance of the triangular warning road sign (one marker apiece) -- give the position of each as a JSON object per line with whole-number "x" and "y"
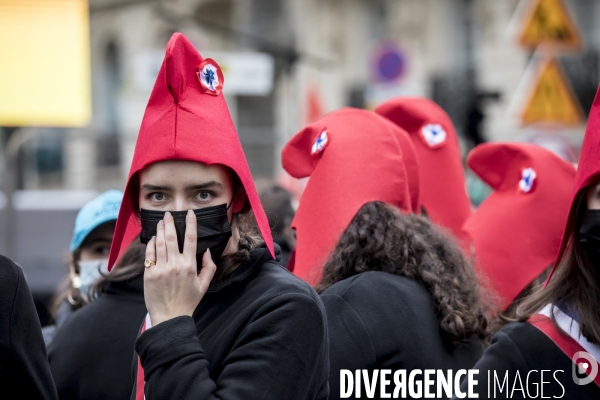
{"x": 551, "y": 100}
{"x": 548, "y": 22}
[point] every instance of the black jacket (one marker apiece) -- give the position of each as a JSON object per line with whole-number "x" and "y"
{"x": 260, "y": 333}
{"x": 379, "y": 320}
{"x": 65, "y": 309}
{"x": 24, "y": 371}
{"x": 91, "y": 354}
{"x": 524, "y": 349}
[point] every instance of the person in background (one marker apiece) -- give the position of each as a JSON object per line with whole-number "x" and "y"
{"x": 24, "y": 371}
{"x": 557, "y": 327}
{"x": 225, "y": 321}
{"x": 398, "y": 292}
{"x": 277, "y": 203}
{"x": 516, "y": 231}
{"x": 443, "y": 193}
{"x": 89, "y": 248}
{"x": 90, "y": 356}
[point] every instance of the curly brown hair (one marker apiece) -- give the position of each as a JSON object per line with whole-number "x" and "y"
{"x": 380, "y": 238}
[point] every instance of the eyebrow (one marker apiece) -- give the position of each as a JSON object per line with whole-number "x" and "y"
{"x": 206, "y": 185}
{"x": 99, "y": 239}
{"x": 149, "y": 186}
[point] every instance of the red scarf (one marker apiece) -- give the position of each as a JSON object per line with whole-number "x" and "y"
{"x": 567, "y": 344}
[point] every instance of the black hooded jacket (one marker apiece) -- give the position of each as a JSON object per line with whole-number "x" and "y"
{"x": 523, "y": 363}
{"x": 260, "y": 333}
{"x": 379, "y": 320}
{"x": 24, "y": 371}
{"x": 90, "y": 356}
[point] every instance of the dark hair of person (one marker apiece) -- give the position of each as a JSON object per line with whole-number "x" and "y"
{"x": 250, "y": 237}
{"x": 277, "y": 202}
{"x": 380, "y": 238}
{"x": 130, "y": 265}
{"x": 575, "y": 284}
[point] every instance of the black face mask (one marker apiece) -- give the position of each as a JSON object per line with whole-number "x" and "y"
{"x": 214, "y": 229}
{"x": 589, "y": 236}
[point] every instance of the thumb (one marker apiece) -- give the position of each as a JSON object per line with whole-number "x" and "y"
{"x": 207, "y": 272}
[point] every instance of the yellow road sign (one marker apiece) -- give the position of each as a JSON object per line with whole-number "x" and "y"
{"x": 44, "y": 63}
{"x": 552, "y": 99}
{"x": 548, "y": 22}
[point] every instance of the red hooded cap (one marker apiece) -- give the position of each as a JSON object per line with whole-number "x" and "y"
{"x": 443, "y": 193}
{"x": 411, "y": 166}
{"x": 588, "y": 170}
{"x": 185, "y": 120}
{"x": 515, "y": 239}
{"x": 352, "y": 157}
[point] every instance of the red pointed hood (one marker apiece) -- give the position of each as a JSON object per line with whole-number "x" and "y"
{"x": 185, "y": 120}
{"x": 515, "y": 239}
{"x": 588, "y": 170}
{"x": 443, "y": 193}
{"x": 352, "y": 157}
{"x": 411, "y": 166}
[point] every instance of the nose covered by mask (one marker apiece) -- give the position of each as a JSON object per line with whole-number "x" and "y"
{"x": 213, "y": 229}
{"x": 589, "y": 236}
{"x": 89, "y": 272}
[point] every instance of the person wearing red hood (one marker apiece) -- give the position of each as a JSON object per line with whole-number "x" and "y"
{"x": 398, "y": 293}
{"x": 554, "y": 347}
{"x": 224, "y": 319}
{"x": 443, "y": 193}
{"x": 515, "y": 241}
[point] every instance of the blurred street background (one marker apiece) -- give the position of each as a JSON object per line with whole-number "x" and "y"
{"x": 286, "y": 63}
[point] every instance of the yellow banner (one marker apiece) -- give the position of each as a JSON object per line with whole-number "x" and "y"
{"x": 44, "y": 63}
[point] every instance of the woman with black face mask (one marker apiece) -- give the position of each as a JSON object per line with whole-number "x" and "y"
{"x": 225, "y": 321}
{"x": 553, "y": 347}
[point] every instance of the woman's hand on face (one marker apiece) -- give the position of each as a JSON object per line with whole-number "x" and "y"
{"x": 173, "y": 287}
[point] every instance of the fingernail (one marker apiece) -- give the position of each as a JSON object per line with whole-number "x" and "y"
{"x": 167, "y": 214}
{"x": 153, "y": 238}
{"x": 208, "y": 250}
{"x": 190, "y": 213}
{"x": 161, "y": 222}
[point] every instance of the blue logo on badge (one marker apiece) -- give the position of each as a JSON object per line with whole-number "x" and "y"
{"x": 320, "y": 143}
{"x": 527, "y": 181}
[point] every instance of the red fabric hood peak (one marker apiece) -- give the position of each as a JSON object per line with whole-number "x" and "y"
{"x": 184, "y": 121}
{"x": 588, "y": 170}
{"x": 443, "y": 192}
{"x": 516, "y": 230}
{"x": 352, "y": 157}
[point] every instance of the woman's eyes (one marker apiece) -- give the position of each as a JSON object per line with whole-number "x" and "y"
{"x": 100, "y": 250}
{"x": 204, "y": 196}
{"x": 157, "y": 196}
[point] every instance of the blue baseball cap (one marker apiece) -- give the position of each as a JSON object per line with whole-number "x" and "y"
{"x": 104, "y": 208}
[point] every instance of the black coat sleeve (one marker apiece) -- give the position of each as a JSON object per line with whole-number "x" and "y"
{"x": 280, "y": 354}
{"x": 24, "y": 369}
{"x": 522, "y": 362}
{"x": 502, "y": 358}
{"x": 351, "y": 346}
